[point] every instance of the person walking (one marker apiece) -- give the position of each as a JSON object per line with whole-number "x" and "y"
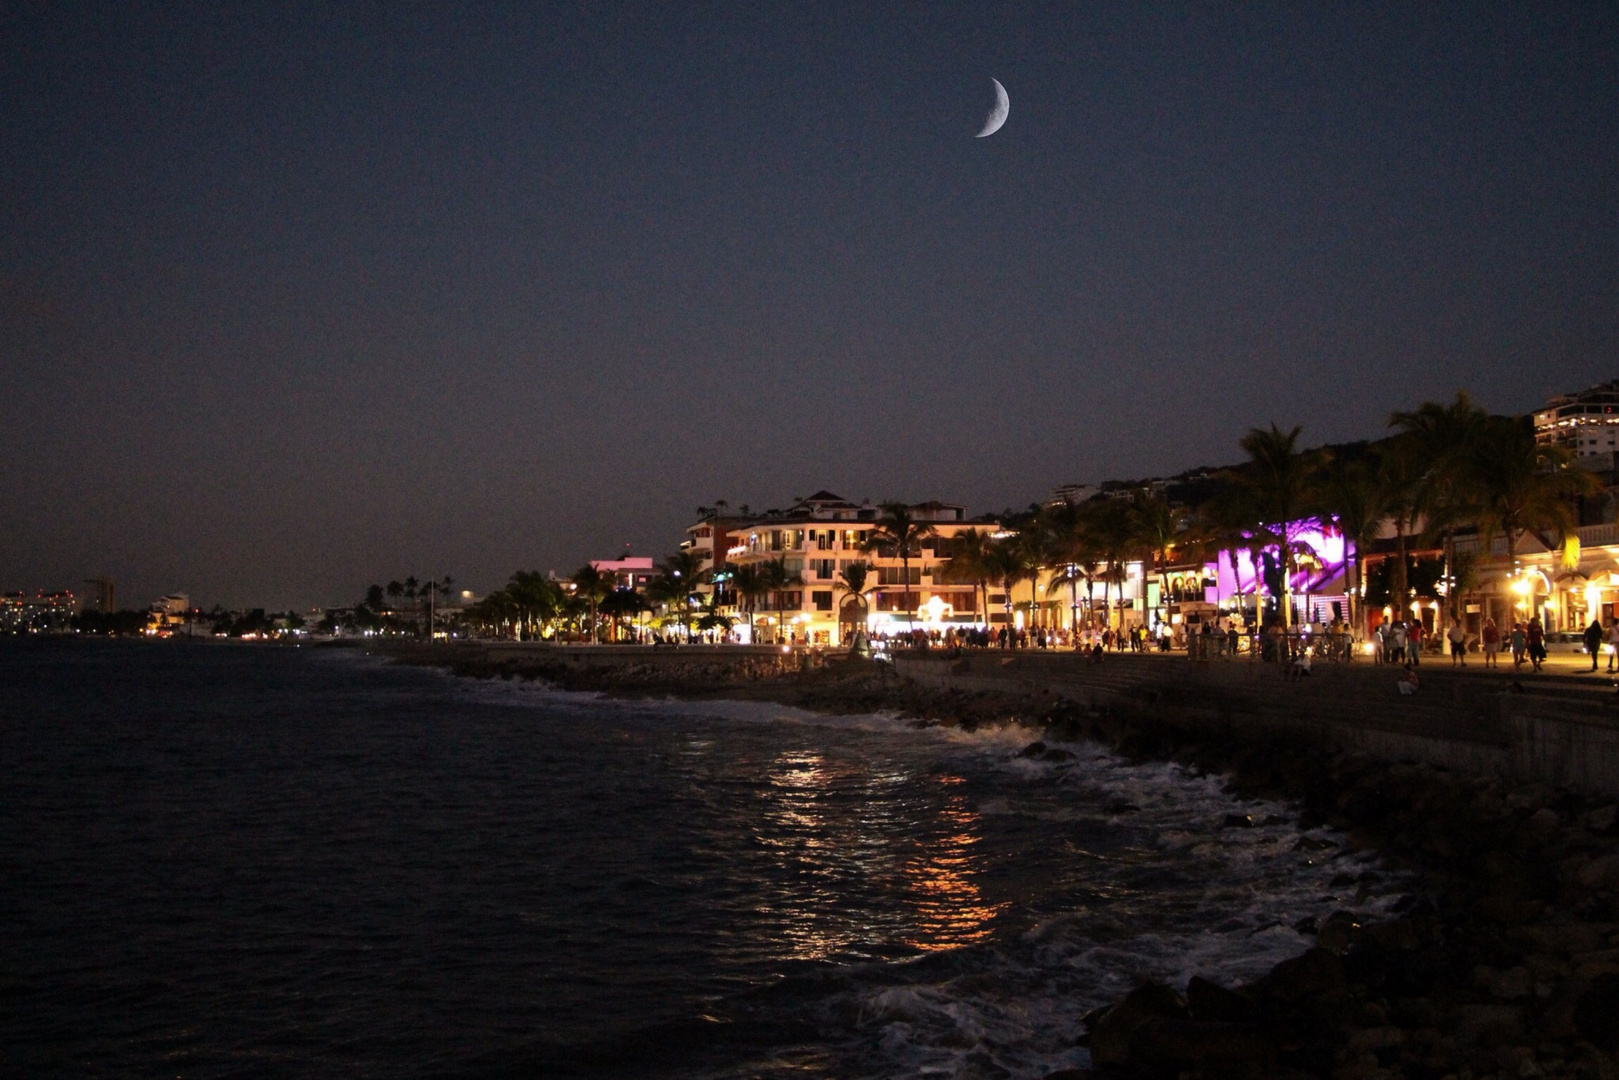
{"x": 1613, "y": 644}
{"x": 1537, "y": 643}
{"x": 1593, "y": 641}
{"x": 1458, "y": 644}
{"x": 1491, "y": 636}
{"x": 1520, "y": 645}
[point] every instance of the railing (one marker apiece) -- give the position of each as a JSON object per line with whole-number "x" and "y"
{"x": 1595, "y": 535}
{"x": 1273, "y": 648}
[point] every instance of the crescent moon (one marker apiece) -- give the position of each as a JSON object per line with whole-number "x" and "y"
{"x": 997, "y": 115}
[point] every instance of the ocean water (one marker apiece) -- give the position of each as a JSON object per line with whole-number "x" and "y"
{"x": 239, "y": 861}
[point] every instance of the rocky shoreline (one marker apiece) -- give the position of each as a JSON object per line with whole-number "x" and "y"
{"x": 1504, "y": 962}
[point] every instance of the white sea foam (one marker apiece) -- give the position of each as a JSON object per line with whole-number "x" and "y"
{"x": 1243, "y": 889}
{"x": 1184, "y": 895}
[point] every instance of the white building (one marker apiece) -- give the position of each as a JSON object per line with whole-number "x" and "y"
{"x": 818, "y": 537}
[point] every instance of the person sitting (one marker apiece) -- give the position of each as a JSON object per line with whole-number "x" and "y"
{"x": 1408, "y": 681}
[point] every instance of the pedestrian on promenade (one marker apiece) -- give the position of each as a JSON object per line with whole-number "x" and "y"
{"x": 1593, "y": 641}
{"x": 1414, "y": 641}
{"x": 1613, "y": 644}
{"x": 1397, "y": 643}
{"x": 1520, "y": 645}
{"x": 1537, "y": 642}
{"x": 1458, "y": 644}
{"x": 1492, "y": 642}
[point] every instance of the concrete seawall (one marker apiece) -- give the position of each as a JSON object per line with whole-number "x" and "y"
{"x": 1536, "y": 729}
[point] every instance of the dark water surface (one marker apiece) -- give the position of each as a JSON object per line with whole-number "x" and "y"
{"x": 238, "y": 861}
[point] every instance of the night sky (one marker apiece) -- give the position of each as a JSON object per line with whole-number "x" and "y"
{"x": 297, "y": 298}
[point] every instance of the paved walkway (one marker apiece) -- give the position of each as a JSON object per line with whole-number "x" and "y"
{"x": 1559, "y": 667}
{"x": 1561, "y": 664}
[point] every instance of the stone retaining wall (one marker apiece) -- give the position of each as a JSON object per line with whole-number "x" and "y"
{"x": 1544, "y": 729}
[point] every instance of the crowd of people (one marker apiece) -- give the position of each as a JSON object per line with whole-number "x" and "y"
{"x": 1398, "y": 642}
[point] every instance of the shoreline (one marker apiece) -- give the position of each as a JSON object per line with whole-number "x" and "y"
{"x": 1504, "y": 963}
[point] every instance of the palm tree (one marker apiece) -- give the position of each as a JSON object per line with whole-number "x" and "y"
{"x": 774, "y": 577}
{"x": 1070, "y": 545}
{"x": 669, "y": 593}
{"x": 1039, "y": 532}
{"x": 683, "y": 573}
{"x": 965, "y": 564}
{"x": 1442, "y": 435}
{"x": 592, "y": 586}
{"x": 620, "y": 603}
{"x": 572, "y": 611}
{"x": 1280, "y": 480}
{"x": 1157, "y": 528}
{"x": 1520, "y": 487}
{"x": 1008, "y": 562}
{"x": 497, "y": 612}
{"x": 712, "y": 618}
{"x": 898, "y": 530}
{"x": 1108, "y": 522}
{"x": 1400, "y": 474}
{"x": 743, "y": 580}
{"x": 1228, "y": 524}
{"x": 536, "y": 601}
{"x": 853, "y": 580}
{"x": 1351, "y": 498}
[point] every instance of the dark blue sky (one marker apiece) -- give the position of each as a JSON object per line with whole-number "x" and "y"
{"x": 295, "y": 298}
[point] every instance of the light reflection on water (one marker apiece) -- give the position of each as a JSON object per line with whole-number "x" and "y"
{"x": 830, "y": 822}
{"x": 950, "y": 907}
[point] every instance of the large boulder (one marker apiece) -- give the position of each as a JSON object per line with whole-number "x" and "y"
{"x": 1596, "y": 1013}
{"x": 1317, "y": 971}
{"x": 1491, "y": 1025}
{"x": 1600, "y": 873}
{"x": 1111, "y": 1038}
{"x": 1209, "y": 1001}
{"x": 1198, "y": 1045}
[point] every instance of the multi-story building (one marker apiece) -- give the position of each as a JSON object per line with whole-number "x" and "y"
{"x": 816, "y": 539}
{"x": 100, "y": 597}
{"x": 629, "y": 572}
{"x": 1587, "y": 423}
{"x": 37, "y": 613}
{"x": 169, "y": 614}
